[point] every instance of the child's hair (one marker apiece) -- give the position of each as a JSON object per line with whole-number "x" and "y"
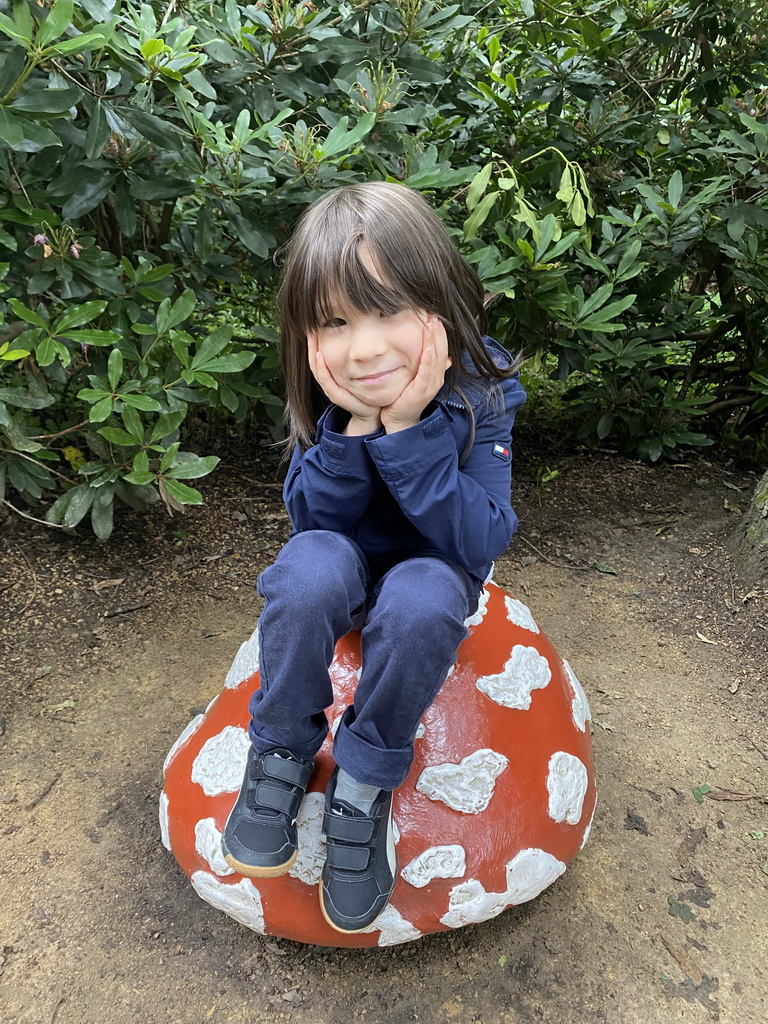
{"x": 419, "y": 266}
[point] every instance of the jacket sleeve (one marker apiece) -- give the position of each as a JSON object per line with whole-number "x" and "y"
{"x": 329, "y": 486}
{"x": 464, "y": 511}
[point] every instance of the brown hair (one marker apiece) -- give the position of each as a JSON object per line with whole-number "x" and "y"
{"x": 416, "y": 258}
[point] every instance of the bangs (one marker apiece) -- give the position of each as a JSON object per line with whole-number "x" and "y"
{"x": 338, "y": 279}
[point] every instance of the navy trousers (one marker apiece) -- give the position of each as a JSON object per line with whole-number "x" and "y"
{"x": 412, "y": 621}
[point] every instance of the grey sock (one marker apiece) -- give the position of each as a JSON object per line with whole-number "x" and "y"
{"x": 358, "y": 794}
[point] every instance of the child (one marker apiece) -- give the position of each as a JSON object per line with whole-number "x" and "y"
{"x": 398, "y": 491}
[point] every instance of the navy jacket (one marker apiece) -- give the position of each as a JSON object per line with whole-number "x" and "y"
{"x": 405, "y": 494}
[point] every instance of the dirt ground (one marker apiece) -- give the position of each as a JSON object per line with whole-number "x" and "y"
{"x": 108, "y": 650}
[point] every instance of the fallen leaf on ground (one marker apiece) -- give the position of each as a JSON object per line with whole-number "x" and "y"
{"x": 699, "y": 897}
{"x": 103, "y": 584}
{"x": 603, "y": 567}
{"x": 633, "y": 822}
{"x": 51, "y": 709}
{"x": 684, "y": 959}
{"x": 680, "y": 910}
{"x": 688, "y": 846}
{"x": 699, "y": 792}
{"x": 728, "y": 794}
{"x": 603, "y": 725}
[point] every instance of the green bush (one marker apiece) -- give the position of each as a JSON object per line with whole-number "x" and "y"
{"x": 604, "y": 167}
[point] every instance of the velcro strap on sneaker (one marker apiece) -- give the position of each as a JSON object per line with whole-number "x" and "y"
{"x": 349, "y": 830}
{"x": 348, "y": 858}
{"x": 285, "y": 770}
{"x": 275, "y": 798}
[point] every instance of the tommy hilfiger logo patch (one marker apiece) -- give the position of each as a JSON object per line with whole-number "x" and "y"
{"x": 501, "y": 451}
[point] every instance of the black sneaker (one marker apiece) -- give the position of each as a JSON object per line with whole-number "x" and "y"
{"x": 259, "y": 837}
{"x": 361, "y": 864}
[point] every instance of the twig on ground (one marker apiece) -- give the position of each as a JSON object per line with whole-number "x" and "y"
{"x": 43, "y": 793}
{"x": 557, "y": 565}
{"x": 263, "y": 483}
{"x": 125, "y": 610}
{"x": 758, "y": 749}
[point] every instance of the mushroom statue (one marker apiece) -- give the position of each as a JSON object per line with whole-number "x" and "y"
{"x": 499, "y": 799}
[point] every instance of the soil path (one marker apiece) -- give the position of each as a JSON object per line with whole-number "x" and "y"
{"x": 662, "y": 918}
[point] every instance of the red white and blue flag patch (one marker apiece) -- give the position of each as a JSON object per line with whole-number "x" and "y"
{"x": 501, "y": 451}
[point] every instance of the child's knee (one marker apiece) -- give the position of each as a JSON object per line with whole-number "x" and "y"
{"x": 423, "y": 597}
{"x": 313, "y": 569}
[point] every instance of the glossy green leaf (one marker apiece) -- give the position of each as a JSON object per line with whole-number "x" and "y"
{"x": 182, "y": 493}
{"x": 143, "y": 402}
{"x": 11, "y": 128}
{"x": 78, "y": 315}
{"x": 675, "y": 189}
{"x": 116, "y": 435}
{"x": 80, "y": 501}
{"x": 81, "y": 44}
{"x": 25, "y": 313}
{"x": 479, "y": 215}
{"x": 115, "y": 367}
{"x": 59, "y": 17}
{"x": 102, "y": 512}
{"x": 193, "y": 468}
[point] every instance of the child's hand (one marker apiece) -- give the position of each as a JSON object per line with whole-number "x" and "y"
{"x": 406, "y": 410}
{"x": 366, "y": 419}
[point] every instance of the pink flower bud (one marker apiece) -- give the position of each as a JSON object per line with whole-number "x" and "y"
{"x": 40, "y": 240}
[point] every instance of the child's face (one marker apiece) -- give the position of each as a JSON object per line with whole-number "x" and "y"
{"x": 372, "y": 355}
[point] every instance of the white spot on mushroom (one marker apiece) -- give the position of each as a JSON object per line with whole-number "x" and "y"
{"x": 469, "y": 903}
{"x": 246, "y": 662}
{"x": 526, "y": 670}
{"x": 241, "y": 901}
{"x": 164, "y": 822}
{"x": 208, "y": 845}
{"x": 477, "y": 618}
{"x": 520, "y": 615}
{"x": 219, "y": 766}
{"x": 467, "y": 786}
{"x": 308, "y": 866}
{"x": 336, "y": 723}
{"x": 422, "y": 728}
{"x": 395, "y": 832}
{"x": 436, "y": 862}
{"x": 528, "y": 874}
{"x": 393, "y": 927}
{"x": 567, "y": 786}
{"x": 588, "y": 829}
{"x": 189, "y": 728}
{"x": 579, "y": 704}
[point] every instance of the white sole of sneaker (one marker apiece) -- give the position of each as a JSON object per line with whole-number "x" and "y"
{"x": 257, "y": 872}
